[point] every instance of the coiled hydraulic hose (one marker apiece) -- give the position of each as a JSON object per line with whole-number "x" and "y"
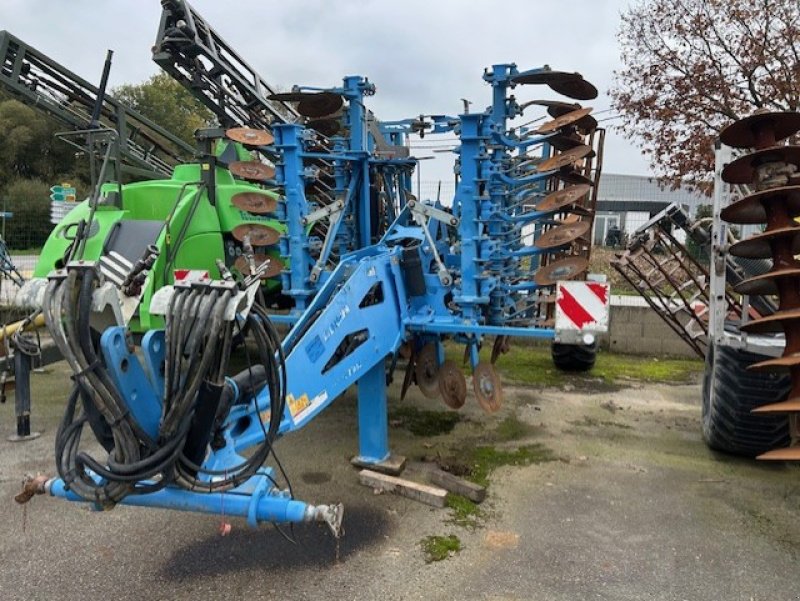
{"x": 198, "y": 344}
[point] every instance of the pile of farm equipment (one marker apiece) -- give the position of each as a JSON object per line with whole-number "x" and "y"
{"x": 297, "y": 210}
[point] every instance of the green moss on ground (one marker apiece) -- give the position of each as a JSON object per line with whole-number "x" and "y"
{"x": 421, "y": 422}
{"x": 534, "y": 366}
{"x": 437, "y": 548}
{"x": 482, "y": 461}
{"x": 464, "y": 512}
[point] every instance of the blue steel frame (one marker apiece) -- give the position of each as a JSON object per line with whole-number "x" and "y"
{"x": 332, "y": 310}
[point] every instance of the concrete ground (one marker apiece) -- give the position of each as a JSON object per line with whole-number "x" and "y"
{"x": 633, "y": 507}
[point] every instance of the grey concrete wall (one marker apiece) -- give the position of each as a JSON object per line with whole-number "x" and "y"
{"x": 640, "y": 331}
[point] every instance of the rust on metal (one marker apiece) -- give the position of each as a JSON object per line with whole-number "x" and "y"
{"x": 249, "y": 136}
{"x": 562, "y": 198}
{"x": 565, "y": 141}
{"x": 252, "y": 170}
{"x": 751, "y": 209}
{"x": 31, "y": 486}
{"x": 426, "y": 370}
{"x": 452, "y": 385}
{"x": 562, "y": 234}
{"x": 487, "y": 387}
{"x": 761, "y": 129}
{"x": 759, "y": 246}
{"x": 260, "y": 235}
{"x": 769, "y": 168}
{"x": 566, "y": 158}
{"x": 572, "y": 85}
{"x": 327, "y": 127}
{"x": 564, "y": 120}
{"x": 744, "y": 170}
{"x": 274, "y": 267}
{"x": 320, "y": 105}
{"x": 563, "y": 269}
{"x": 253, "y": 202}
{"x": 570, "y": 176}
{"x": 501, "y": 346}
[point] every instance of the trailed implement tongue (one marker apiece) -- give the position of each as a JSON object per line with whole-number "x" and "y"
{"x": 768, "y": 170}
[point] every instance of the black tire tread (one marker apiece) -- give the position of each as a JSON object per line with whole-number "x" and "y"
{"x": 574, "y": 357}
{"x": 728, "y": 424}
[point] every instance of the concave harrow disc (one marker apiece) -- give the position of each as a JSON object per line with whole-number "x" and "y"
{"x": 274, "y": 267}
{"x": 452, "y": 385}
{"x": 487, "y": 387}
{"x": 564, "y": 269}
{"x": 427, "y": 371}
{"x": 249, "y": 136}
{"x": 252, "y": 170}
{"x": 253, "y": 202}
{"x": 260, "y": 235}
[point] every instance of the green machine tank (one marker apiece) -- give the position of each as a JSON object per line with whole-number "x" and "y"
{"x": 192, "y": 223}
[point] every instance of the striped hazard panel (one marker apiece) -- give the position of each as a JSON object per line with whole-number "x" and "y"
{"x": 582, "y": 306}
{"x": 115, "y": 267}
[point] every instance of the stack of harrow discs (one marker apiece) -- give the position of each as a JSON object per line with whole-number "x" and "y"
{"x": 771, "y": 170}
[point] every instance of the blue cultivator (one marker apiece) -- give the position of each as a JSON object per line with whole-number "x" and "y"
{"x": 374, "y": 271}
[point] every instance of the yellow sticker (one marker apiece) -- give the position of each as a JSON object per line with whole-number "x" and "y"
{"x": 297, "y": 405}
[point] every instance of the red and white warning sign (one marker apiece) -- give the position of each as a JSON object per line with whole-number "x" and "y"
{"x": 582, "y": 306}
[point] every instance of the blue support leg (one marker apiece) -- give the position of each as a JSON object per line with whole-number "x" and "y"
{"x": 373, "y": 424}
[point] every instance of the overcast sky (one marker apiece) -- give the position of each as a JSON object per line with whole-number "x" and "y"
{"x": 423, "y": 55}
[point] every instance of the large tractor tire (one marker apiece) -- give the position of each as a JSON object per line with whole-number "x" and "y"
{"x": 730, "y": 391}
{"x": 574, "y": 357}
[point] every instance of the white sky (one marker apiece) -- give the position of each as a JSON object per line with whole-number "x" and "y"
{"x": 423, "y": 56}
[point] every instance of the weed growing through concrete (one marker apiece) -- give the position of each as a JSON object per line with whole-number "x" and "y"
{"x": 437, "y": 548}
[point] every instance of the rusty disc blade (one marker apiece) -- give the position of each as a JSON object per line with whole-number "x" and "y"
{"x": 568, "y": 157}
{"x": 252, "y": 170}
{"x": 452, "y": 385}
{"x": 500, "y": 347}
{"x": 564, "y": 120}
{"x": 327, "y": 127}
{"x": 558, "y": 109}
{"x": 260, "y": 235}
{"x": 577, "y": 88}
{"x": 761, "y": 129}
{"x": 563, "y": 269}
{"x": 253, "y": 202}
{"x": 743, "y": 169}
{"x": 777, "y": 363}
{"x": 562, "y": 198}
{"x": 320, "y": 104}
{"x": 787, "y": 454}
{"x": 563, "y": 142}
{"x": 274, "y": 267}
{"x": 563, "y": 234}
{"x": 290, "y": 96}
{"x": 556, "y": 105}
{"x": 759, "y": 246}
{"x": 765, "y": 283}
{"x": 569, "y": 219}
{"x": 427, "y": 371}
{"x": 788, "y": 406}
{"x": 487, "y": 387}
{"x": 771, "y": 323}
{"x": 570, "y": 176}
{"x": 750, "y": 209}
{"x": 249, "y": 136}
{"x": 543, "y": 77}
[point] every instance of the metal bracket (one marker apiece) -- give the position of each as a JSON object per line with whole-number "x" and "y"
{"x": 422, "y": 214}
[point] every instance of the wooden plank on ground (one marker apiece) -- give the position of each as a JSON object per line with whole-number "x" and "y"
{"x": 459, "y": 486}
{"x": 424, "y": 493}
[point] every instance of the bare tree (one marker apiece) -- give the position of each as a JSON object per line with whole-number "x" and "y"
{"x": 693, "y": 66}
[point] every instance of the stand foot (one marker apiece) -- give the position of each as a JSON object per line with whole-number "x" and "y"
{"x": 392, "y": 465}
{"x": 23, "y": 438}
